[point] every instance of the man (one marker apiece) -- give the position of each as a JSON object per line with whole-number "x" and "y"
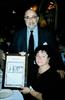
{"x": 40, "y": 35}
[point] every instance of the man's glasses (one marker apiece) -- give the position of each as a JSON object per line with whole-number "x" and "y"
{"x": 27, "y": 17}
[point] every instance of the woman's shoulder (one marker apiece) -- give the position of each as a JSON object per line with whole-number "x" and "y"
{"x": 54, "y": 74}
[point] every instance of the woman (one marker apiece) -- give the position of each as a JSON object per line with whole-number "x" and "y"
{"x": 46, "y": 85}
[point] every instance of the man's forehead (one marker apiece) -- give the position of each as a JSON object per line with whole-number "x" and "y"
{"x": 30, "y": 13}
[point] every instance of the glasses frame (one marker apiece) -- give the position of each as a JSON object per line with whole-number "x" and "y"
{"x": 28, "y": 18}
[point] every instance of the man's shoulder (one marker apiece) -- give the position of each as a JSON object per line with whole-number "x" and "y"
{"x": 44, "y": 31}
{"x": 21, "y": 31}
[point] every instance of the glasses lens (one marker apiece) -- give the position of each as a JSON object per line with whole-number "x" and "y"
{"x": 33, "y": 17}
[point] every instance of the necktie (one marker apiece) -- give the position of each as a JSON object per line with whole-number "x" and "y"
{"x": 31, "y": 43}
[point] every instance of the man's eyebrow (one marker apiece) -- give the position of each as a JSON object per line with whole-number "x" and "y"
{"x": 31, "y": 16}
{"x": 26, "y": 16}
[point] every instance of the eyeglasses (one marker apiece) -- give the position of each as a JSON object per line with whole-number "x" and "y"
{"x": 27, "y": 17}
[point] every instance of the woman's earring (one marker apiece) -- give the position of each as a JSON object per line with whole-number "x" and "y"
{"x": 34, "y": 62}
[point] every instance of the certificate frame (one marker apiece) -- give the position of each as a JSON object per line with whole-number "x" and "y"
{"x": 15, "y": 71}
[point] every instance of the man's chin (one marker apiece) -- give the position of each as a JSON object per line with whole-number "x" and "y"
{"x": 31, "y": 28}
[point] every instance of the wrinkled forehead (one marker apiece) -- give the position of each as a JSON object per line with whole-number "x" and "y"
{"x": 30, "y": 13}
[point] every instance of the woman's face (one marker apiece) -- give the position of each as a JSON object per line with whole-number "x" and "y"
{"x": 42, "y": 58}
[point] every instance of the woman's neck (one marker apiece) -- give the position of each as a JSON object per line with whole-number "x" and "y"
{"x": 43, "y": 68}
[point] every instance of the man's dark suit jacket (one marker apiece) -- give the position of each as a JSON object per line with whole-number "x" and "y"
{"x": 20, "y": 40}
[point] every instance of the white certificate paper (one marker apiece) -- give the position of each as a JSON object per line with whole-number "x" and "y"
{"x": 15, "y": 71}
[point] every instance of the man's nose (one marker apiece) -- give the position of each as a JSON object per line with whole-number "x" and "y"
{"x": 30, "y": 21}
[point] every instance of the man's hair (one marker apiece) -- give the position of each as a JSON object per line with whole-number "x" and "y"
{"x": 37, "y": 12}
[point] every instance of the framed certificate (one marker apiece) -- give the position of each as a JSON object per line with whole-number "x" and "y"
{"x": 15, "y": 72}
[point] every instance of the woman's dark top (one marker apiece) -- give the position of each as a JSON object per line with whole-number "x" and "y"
{"x": 48, "y": 83}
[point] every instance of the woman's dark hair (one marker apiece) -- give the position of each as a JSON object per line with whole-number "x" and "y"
{"x": 48, "y": 50}
{"x": 44, "y": 48}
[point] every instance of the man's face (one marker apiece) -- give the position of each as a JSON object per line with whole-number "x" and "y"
{"x": 31, "y": 19}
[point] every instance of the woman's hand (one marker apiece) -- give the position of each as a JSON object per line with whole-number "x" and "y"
{"x": 35, "y": 94}
{"x": 25, "y": 90}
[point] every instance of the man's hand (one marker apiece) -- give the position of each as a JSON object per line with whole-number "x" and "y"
{"x": 22, "y": 53}
{"x": 62, "y": 73}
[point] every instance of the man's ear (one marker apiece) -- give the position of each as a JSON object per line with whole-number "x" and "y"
{"x": 48, "y": 59}
{"x": 37, "y": 19}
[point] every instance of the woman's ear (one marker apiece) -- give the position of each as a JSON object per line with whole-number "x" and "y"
{"x": 49, "y": 58}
